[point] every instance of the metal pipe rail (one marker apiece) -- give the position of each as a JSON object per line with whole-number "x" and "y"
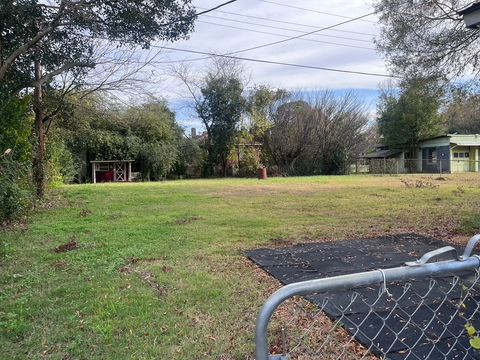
{"x": 413, "y": 271}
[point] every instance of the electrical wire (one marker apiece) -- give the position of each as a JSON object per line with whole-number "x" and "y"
{"x": 302, "y": 35}
{"x": 311, "y": 10}
{"x": 286, "y": 29}
{"x": 286, "y": 22}
{"x": 270, "y": 43}
{"x": 273, "y": 62}
{"x": 286, "y": 36}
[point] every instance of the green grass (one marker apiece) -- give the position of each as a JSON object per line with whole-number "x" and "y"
{"x": 160, "y": 271}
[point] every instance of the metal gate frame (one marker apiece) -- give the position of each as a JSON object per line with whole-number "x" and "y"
{"x": 416, "y": 270}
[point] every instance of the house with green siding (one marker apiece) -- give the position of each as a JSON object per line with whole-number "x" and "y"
{"x": 454, "y": 153}
{"x": 451, "y": 153}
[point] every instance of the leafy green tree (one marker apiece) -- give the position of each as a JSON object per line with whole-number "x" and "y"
{"x": 412, "y": 115}
{"x": 191, "y": 159}
{"x": 16, "y": 128}
{"x": 99, "y": 129}
{"x": 220, "y": 110}
{"x": 259, "y": 104}
{"x": 427, "y": 37}
{"x": 160, "y": 135}
{"x": 15, "y": 155}
{"x": 40, "y": 41}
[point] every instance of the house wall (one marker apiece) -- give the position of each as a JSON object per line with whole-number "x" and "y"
{"x": 441, "y": 163}
{"x": 443, "y": 154}
{"x": 469, "y": 164}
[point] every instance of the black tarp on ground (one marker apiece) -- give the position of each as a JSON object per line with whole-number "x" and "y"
{"x": 424, "y": 308}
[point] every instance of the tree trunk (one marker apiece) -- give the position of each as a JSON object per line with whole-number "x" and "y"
{"x": 224, "y": 165}
{"x": 39, "y": 151}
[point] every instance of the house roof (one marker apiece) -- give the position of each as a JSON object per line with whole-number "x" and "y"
{"x": 381, "y": 154}
{"x": 465, "y": 140}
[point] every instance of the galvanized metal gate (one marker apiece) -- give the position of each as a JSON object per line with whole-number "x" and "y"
{"x": 427, "y": 309}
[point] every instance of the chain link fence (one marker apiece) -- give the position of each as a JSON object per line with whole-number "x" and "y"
{"x": 427, "y": 309}
{"x": 413, "y": 166}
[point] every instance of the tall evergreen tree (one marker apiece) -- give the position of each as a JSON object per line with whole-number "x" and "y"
{"x": 411, "y": 115}
{"x": 220, "y": 110}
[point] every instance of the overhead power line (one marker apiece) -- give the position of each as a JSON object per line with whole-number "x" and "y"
{"x": 230, "y": 54}
{"x": 273, "y": 62}
{"x": 271, "y": 43}
{"x": 311, "y": 10}
{"x": 285, "y": 36}
{"x": 286, "y": 29}
{"x": 286, "y": 22}
{"x": 302, "y": 35}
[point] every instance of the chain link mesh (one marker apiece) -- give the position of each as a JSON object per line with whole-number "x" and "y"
{"x": 435, "y": 318}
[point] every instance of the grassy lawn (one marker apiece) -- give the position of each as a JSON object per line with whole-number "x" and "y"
{"x": 159, "y": 271}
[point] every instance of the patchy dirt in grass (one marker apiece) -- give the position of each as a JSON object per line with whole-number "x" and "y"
{"x": 146, "y": 277}
{"x": 420, "y": 183}
{"x": 17, "y": 225}
{"x": 69, "y": 246}
{"x": 187, "y": 220}
{"x": 60, "y": 265}
{"x": 271, "y": 190}
{"x": 307, "y": 188}
{"x": 85, "y": 212}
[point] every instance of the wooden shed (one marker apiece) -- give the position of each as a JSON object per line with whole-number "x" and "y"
{"x": 111, "y": 170}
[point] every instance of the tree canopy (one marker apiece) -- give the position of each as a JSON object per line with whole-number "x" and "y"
{"x": 316, "y": 134}
{"x": 62, "y": 34}
{"x": 99, "y": 129}
{"x": 427, "y": 37}
{"x": 412, "y": 115}
{"x": 220, "y": 110}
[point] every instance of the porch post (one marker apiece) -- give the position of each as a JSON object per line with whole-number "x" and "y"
{"x": 420, "y": 160}
{"x": 129, "y": 177}
{"x": 94, "y": 175}
{"x": 476, "y": 159}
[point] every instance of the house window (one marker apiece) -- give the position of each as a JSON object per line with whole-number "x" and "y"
{"x": 461, "y": 155}
{"x": 431, "y": 156}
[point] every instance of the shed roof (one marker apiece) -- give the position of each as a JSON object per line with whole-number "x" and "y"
{"x": 382, "y": 154}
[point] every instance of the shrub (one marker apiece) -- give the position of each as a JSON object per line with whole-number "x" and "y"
{"x": 62, "y": 168}
{"x": 249, "y": 162}
{"x": 14, "y": 194}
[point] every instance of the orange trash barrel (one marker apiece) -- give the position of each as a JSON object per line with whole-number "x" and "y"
{"x": 262, "y": 173}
